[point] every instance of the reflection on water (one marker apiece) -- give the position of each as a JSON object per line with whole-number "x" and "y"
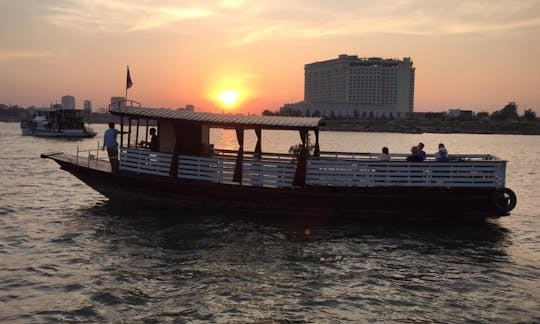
{"x": 179, "y": 224}
{"x": 215, "y": 265}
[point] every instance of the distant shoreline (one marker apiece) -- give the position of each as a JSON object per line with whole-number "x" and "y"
{"x": 409, "y": 126}
{"x": 405, "y": 126}
{"x": 325, "y": 129}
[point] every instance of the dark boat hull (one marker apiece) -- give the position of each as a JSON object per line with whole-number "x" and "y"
{"x": 56, "y": 134}
{"x": 357, "y": 202}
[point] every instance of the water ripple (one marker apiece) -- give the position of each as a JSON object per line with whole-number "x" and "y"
{"x": 70, "y": 255}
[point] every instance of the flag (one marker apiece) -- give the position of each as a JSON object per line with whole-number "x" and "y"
{"x": 129, "y": 83}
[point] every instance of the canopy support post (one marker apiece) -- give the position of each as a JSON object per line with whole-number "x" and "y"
{"x": 237, "y": 177}
{"x": 129, "y": 133}
{"x": 258, "y": 146}
{"x": 137, "y": 133}
{"x": 146, "y": 135}
{"x": 301, "y": 165}
{"x": 122, "y": 131}
{"x": 317, "y": 151}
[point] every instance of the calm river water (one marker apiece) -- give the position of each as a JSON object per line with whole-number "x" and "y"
{"x": 68, "y": 254}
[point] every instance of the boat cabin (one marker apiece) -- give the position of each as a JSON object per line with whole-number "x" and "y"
{"x": 56, "y": 118}
{"x": 56, "y": 122}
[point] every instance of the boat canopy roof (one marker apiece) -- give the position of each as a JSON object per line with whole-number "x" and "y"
{"x": 221, "y": 120}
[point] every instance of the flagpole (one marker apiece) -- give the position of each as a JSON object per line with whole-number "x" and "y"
{"x": 127, "y": 73}
{"x": 129, "y": 83}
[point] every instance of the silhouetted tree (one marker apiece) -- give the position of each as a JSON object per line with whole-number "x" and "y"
{"x": 508, "y": 112}
{"x": 13, "y": 113}
{"x": 267, "y": 112}
{"x": 529, "y": 114}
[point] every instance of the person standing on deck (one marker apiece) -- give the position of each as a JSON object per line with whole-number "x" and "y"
{"x": 109, "y": 142}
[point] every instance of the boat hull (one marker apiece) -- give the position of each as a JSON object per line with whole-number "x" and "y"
{"x": 67, "y": 133}
{"x": 410, "y": 203}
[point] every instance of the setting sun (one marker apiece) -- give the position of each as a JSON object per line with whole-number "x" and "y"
{"x": 230, "y": 90}
{"x": 228, "y": 97}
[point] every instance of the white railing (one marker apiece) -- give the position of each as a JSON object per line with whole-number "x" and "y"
{"x": 402, "y": 157}
{"x": 92, "y": 155}
{"x": 278, "y": 171}
{"x": 283, "y": 157}
{"x": 145, "y": 161}
{"x": 332, "y": 172}
{"x": 268, "y": 173}
{"x": 274, "y": 170}
{"x": 214, "y": 169}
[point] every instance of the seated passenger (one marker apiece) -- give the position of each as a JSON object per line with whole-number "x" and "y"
{"x": 421, "y": 152}
{"x": 442, "y": 155}
{"x": 384, "y": 156}
{"x": 437, "y": 154}
{"x": 154, "y": 140}
{"x": 414, "y": 155}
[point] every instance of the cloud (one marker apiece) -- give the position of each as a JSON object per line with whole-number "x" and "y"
{"x": 233, "y": 3}
{"x": 247, "y": 22}
{"x": 10, "y": 55}
{"x": 166, "y": 16}
{"x": 323, "y": 19}
{"x": 119, "y": 15}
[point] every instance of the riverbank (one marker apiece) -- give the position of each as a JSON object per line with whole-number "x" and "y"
{"x": 435, "y": 126}
{"x": 411, "y": 126}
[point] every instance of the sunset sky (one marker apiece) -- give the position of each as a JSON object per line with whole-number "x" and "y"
{"x": 475, "y": 55}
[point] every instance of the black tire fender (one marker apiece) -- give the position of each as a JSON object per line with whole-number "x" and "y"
{"x": 504, "y": 199}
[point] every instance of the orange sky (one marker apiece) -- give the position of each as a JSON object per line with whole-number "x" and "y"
{"x": 475, "y": 55}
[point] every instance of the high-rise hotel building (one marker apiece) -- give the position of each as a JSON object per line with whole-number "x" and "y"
{"x": 68, "y": 102}
{"x": 356, "y": 87}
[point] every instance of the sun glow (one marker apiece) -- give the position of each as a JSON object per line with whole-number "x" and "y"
{"x": 229, "y": 98}
{"x": 231, "y": 91}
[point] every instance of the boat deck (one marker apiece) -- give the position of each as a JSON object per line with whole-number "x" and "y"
{"x": 89, "y": 162}
{"x": 474, "y": 171}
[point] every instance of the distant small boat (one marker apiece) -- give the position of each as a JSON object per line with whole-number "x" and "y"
{"x": 57, "y": 122}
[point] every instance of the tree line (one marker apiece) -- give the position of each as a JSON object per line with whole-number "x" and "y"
{"x": 508, "y": 113}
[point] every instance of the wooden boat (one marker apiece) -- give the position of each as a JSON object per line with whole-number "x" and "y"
{"x": 187, "y": 171}
{"x": 57, "y": 122}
